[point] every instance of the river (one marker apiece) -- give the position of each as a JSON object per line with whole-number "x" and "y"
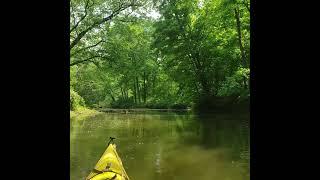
{"x": 157, "y": 146}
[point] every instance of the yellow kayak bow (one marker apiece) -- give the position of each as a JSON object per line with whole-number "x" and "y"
{"x": 109, "y": 166}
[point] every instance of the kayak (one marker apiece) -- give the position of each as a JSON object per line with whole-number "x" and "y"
{"x": 109, "y": 166}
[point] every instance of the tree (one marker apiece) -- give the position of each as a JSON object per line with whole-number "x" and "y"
{"x": 195, "y": 50}
{"x": 89, "y": 22}
{"x": 198, "y": 42}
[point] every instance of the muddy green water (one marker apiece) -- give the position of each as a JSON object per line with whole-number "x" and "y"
{"x": 165, "y": 145}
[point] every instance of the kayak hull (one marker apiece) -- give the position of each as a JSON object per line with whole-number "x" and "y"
{"x": 115, "y": 169}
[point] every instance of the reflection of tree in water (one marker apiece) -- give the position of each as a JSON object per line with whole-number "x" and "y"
{"x": 230, "y": 132}
{"x": 155, "y": 142}
{"x": 226, "y": 131}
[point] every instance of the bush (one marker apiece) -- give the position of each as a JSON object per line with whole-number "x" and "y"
{"x": 233, "y": 84}
{"x": 157, "y": 105}
{"x": 123, "y": 103}
{"x": 76, "y": 100}
{"x": 179, "y": 106}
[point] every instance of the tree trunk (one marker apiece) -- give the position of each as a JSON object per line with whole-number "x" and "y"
{"x": 197, "y": 88}
{"x": 144, "y": 88}
{"x": 138, "y": 89}
{"x": 237, "y": 16}
{"x": 244, "y": 64}
{"x": 205, "y": 87}
{"x": 122, "y": 94}
{"x": 126, "y": 93}
{"x": 134, "y": 91}
{"x": 112, "y": 97}
{"x": 154, "y": 83}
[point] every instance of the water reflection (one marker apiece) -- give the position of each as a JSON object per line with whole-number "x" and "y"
{"x": 165, "y": 146}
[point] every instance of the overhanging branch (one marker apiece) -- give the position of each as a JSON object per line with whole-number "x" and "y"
{"x": 96, "y": 24}
{"x": 86, "y": 7}
{"x": 90, "y": 59}
{"x": 88, "y": 47}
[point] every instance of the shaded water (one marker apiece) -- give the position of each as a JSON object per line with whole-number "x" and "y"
{"x": 165, "y": 145}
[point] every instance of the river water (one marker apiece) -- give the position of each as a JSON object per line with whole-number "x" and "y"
{"x": 157, "y": 146}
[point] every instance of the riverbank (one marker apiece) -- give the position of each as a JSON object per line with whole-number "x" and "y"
{"x": 203, "y": 108}
{"x": 83, "y": 113}
{"x": 231, "y": 104}
{"x": 139, "y": 110}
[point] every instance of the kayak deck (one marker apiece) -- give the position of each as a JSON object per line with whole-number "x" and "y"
{"x": 109, "y": 166}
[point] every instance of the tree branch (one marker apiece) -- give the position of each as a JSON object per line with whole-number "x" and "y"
{"x": 88, "y": 47}
{"x": 86, "y": 60}
{"x": 80, "y": 36}
{"x": 123, "y": 19}
{"x": 72, "y": 10}
{"x": 94, "y": 25}
{"x": 86, "y": 7}
{"x": 83, "y": 61}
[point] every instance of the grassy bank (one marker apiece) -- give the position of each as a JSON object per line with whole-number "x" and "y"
{"x": 83, "y": 113}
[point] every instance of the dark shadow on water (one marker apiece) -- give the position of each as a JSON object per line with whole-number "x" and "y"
{"x": 222, "y": 130}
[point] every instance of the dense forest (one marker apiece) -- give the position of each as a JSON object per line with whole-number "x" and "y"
{"x": 159, "y": 53}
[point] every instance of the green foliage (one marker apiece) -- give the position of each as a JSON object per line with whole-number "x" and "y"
{"x": 123, "y": 103}
{"x": 191, "y": 52}
{"x": 76, "y": 100}
{"x": 86, "y": 84}
{"x": 234, "y": 85}
{"x": 199, "y": 48}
